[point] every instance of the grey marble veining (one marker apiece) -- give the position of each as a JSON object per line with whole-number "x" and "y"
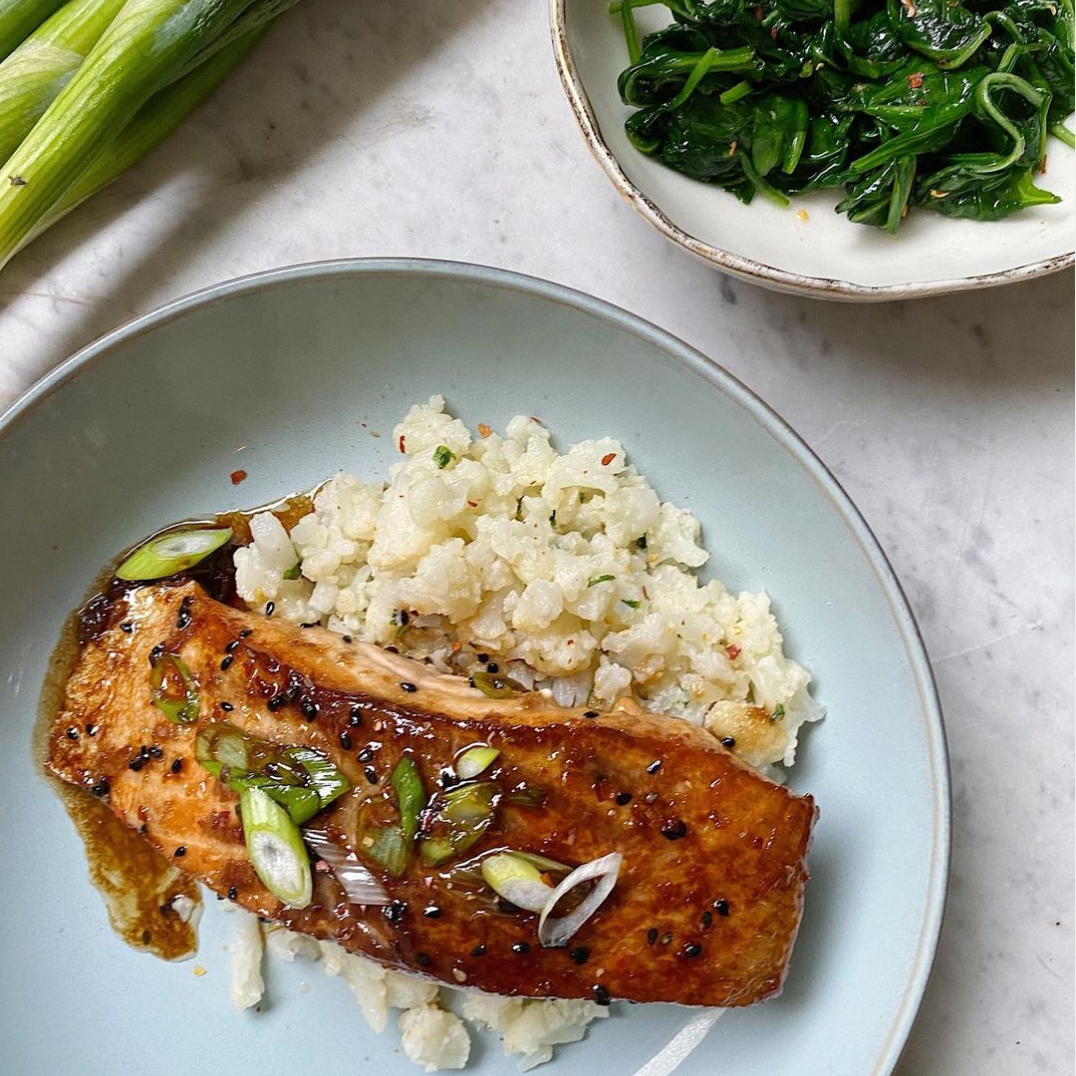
{"x": 440, "y": 130}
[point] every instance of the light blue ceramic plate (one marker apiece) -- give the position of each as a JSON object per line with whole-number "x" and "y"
{"x": 275, "y": 374}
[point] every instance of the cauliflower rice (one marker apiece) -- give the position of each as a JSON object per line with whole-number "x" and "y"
{"x": 571, "y": 574}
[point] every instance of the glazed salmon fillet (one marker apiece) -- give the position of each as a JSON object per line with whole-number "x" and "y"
{"x": 710, "y": 892}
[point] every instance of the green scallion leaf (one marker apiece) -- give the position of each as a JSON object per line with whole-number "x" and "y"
{"x": 181, "y": 708}
{"x": 443, "y": 456}
{"x": 474, "y": 760}
{"x": 494, "y": 686}
{"x": 293, "y": 573}
{"x": 778, "y": 712}
{"x": 410, "y": 796}
{"x": 276, "y": 848}
{"x": 324, "y": 778}
{"x": 631, "y": 602}
{"x": 600, "y": 579}
{"x": 173, "y": 552}
{"x": 389, "y": 850}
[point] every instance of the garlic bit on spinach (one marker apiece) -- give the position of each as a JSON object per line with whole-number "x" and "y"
{"x": 941, "y": 105}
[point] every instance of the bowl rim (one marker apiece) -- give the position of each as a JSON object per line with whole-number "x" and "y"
{"x": 747, "y": 268}
{"x": 721, "y": 380}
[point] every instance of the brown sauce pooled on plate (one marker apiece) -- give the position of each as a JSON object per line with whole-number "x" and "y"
{"x": 137, "y": 883}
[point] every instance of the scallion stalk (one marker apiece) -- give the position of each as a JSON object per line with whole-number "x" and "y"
{"x": 173, "y": 552}
{"x": 19, "y": 19}
{"x": 276, "y": 848}
{"x": 149, "y": 45}
{"x": 33, "y": 75}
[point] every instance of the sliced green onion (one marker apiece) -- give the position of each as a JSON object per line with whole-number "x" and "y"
{"x": 182, "y": 710}
{"x": 360, "y": 886}
{"x": 543, "y": 863}
{"x": 293, "y": 573}
{"x": 410, "y": 796}
{"x": 324, "y": 778}
{"x": 600, "y": 579}
{"x": 443, "y": 456}
{"x": 276, "y": 848}
{"x": 222, "y": 744}
{"x": 474, "y": 760}
{"x": 496, "y": 687}
{"x": 173, "y": 552}
{"x": 465, "y": 814}
{"x": 517, "y": 880}
{"x": 300, "y": 803}
{"x": 552, "y": 932}
{"x": 631, "y": 602}
{"x": 390, "y": 849}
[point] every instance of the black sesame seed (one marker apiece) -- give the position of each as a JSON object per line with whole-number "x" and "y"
{"x": 233, "y": 892}
{"x": 493, "y": 667}
{"x": 483, "y": 658}
{"x": 227, "y": 707}
{"x": 309, "y": 708}
{"x": 728, "y": 741}
{"x": 392, "y": 649}
{"x": 156, "y": 654}
{"x": 590, "y": 713}
{"x": 127, "y": 627}
{"x": 470, "y": 682}
{"x": 177, "y": 765}
{"x": 146, "y": 937}
{"x": 651, "y": 935}
{"x": 423, "y": 960}
{"x": 143, "y": 752}
{"x": 520, "y": 948}
{"x": 395, "y": 911}
{"x": 432, "y": 912}
{"x": 654, "y": 766}
{"x": 692, "y": 950}
{"x": 346, "y": 638}
{"x": 601, "y": 995}
{"x": 270, "y": 608}
{"x": 579, "y": 955}
{"x": 370, "y": 774}
{"x": 721, "y": 906}
{"x": 136, "y": 763}
{"x": 180, "y": 852}
{"x": 102, "y": 788}
{"x": 641, "y": 542}
{"x": 232, "y": 647}
{"x": 354, "y": 716}
{"x": 707, "y": 918}
{"x": 345, "y": 741}
{"x": 449, "y": 780}
{"x": 72, "y": 733}
{"x": 155, "y": 752}
{"x": 275, "y": 703}
{"x": 143, "y": 829}
{"x": 478, "y": 950}
{"x": 246, "y": 633}
{"x": 91, "y": 730}
{"x": 675, "y": 830}
{"x": 226, "y": 664}
{"x": 310, "y": 624}
{"x": 623, "y": 798}
{"x": 365, "y": 754}
{"x": 409, "y": 688}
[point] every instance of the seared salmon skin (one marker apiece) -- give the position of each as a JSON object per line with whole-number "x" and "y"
{"x": 709, "y": 896}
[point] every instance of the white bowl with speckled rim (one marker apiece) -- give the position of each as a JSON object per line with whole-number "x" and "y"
{"x": 286, "y": 374}
{"x": 807, "y": 248}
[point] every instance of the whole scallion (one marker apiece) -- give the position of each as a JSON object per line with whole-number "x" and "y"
{"x": 149, "y": 45}
{"x": 155, "y": 121}
{"x": 33, "y": 75}
{"x": 19, "y": 19}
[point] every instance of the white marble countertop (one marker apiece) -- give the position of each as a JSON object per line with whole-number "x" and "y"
{"x": 440, "y": 130}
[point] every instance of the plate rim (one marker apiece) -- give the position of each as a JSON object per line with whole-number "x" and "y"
{"x": 737, "y": 265}
{"x": 723, "y": 381}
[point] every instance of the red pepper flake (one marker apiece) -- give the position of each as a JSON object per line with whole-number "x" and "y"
{"x": 535, "y": 418}
{"x": 606, "y": 460}
{"x": 403, "y": 443}
{"x": 237, "y": 477}
{"x": 733, "y": 651}
{"x": 473, "y": 504}
{"x": 915, "y": 81}
{"x": 484, "y": 430}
